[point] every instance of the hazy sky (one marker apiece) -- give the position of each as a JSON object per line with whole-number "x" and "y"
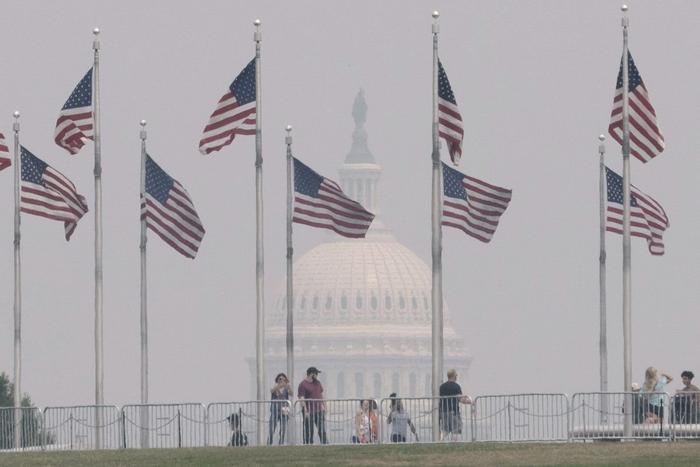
{"x": 534, "y": 81}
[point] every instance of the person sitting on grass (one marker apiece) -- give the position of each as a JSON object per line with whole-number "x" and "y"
{"x": 238, "y": 438}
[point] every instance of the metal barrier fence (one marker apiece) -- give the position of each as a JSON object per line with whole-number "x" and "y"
{"x": 410, "y": 419}
{"x": 601, "y": 415}
{"x": 685, "y": 415}
{"x": 82, "y": 427}
{"x": 164, "y": 425}
{"x": 336, "y": 421}
{"x": 20, "y": 428}
{"x": 521, "y": 417}
{"x": 501, "y": 418}
{"x": 236, "y": 423}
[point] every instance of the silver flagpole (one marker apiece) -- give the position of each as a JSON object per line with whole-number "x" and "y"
{"x": 18, "y": 295}
{"x": 626, "y": 244}
{"x": 437, "y": 342}
{"x": 99, "y": 355}
{"x": 603, "y": 343}
{"x": 290, "y": 272}
{"x": 144, "y": 297}
{"x": 259, "y": 257}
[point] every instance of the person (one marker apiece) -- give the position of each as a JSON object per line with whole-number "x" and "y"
{"x": 310, "y": 394}
{"x": 238, "y": 438}
{"x": 279, "y": 407}
{"x": 373, "y": 421}
{"x": 688, "y": 386}
{"x": 652, "y": 398}
{"x": 637, "y": 409}
{"x": 399, "y": 420}
{"x": 687, "y": 401}
{"x": 363, "y": 424}
{"x": 450, "y": 398}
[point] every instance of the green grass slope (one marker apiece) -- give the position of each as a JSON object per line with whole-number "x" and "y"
{"x": 636, "y": 454}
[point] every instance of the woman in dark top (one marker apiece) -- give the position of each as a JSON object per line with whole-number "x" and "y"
{"x": 279, "y": 407}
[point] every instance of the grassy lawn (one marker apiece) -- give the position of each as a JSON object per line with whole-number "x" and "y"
{"x": 602, "y": 453}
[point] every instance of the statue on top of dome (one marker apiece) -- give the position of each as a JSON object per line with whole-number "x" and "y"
{"x": 359, "y": 153}
{"x": 359, "y": 109}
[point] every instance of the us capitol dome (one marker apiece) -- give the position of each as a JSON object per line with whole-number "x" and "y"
{"x": 362, "y": 310}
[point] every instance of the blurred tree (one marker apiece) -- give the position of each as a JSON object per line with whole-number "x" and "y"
{"x": 31, "y": 420}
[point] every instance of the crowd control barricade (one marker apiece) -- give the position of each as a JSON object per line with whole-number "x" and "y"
{"x": 164, "y": 425}
{"x": 454, "y": 419}
{"x": 82, "y": 427}
{"x": 237, "y": 423}
{"x": 333, "y": 421}
{"x": 685, "y": 415}
{"x": 21, "y": 429}
{"x": 597, "y": 415}
{"x": 521, "y": 417}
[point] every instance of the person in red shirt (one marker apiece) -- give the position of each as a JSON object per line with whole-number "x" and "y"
{"x": 310, "y": 394}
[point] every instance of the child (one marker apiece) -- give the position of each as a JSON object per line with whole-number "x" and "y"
{"x": 238, "y": 438}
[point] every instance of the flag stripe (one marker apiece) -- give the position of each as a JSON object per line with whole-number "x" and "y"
{"x": 646, "y": 139}
{"x": 37, "y": 198}
{"x": 648, "y": 219}
{"x": 74, "y": 125}
{"x": 472, "y": 205}
{"x": 320, "y": 202}
{"x": 169, "y": 219}
{"x": 330, "y": 226}
{"x": 169, "y": 212}
{"x": 450, "y": 125}
{"x": 5, "y": 160}
{"x": 47, "y": 197}
{"x": 235, "y": 113}
{"x": 168, "y": 230}
{"x": 45, "y": 192}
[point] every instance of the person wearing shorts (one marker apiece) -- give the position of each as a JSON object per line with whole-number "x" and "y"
{"x": 450, "y": 398}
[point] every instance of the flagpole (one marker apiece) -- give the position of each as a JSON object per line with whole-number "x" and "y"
{"x": 603, "y": 342}
{"x": 290, "y": 269}
{"x": 626, "y": 244}
{"x": 99, "y": 355}
{"x": 144, "y": 295}
{"x": 436, "y": 297}
{"x": 259, "y": 257}
{"x": 18, "y": 294}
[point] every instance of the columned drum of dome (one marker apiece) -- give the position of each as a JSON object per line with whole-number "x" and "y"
{"x": 361, "y": 307}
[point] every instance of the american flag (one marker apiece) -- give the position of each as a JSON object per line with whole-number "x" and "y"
{"x": 4, "y": 154}
{"x": 319, "y": 202}
{"x": 47, "y": 193}
{"x": 472, "y": 205}
{"x": 646, "y": 140}
{"x": 169, "y": 212}
{"x": 234, "y": 114}
{"x": 647, "y": 218}
{"x": 449, "y": 120}
{"x": 75, "y": 123}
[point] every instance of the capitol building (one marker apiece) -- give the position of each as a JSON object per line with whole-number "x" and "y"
{"x": 362, "y": 311}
